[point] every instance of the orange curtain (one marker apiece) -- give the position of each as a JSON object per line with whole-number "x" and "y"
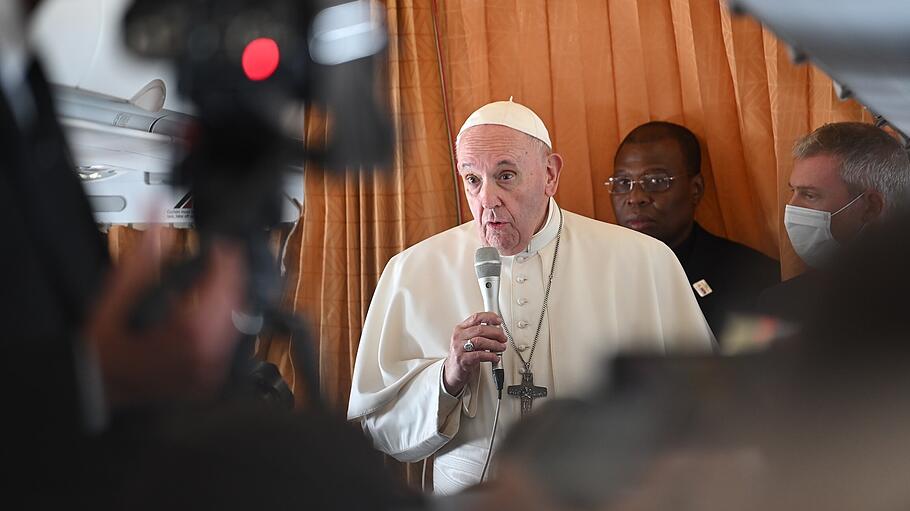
{"x": 595, "y": 69}
{"x": 123, "y": 240}
{"x": 354, "y": 223}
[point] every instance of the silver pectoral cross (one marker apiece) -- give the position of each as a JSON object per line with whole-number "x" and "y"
{"x": 527, "y": 391}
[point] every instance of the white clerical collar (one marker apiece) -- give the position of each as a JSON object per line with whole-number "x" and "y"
{"x": 547, "y": 233}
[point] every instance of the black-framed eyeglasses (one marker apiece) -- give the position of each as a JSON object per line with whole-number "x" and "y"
{"x": 650, "y": 184}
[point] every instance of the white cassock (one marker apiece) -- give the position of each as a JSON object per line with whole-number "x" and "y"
{"x": 614, "y": 290}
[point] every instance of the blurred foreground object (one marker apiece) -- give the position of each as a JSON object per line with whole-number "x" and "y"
{"x": 840, "y": 434}
{"x": 662, "y": 433}
{"x": 251, "y": 70}
{"x": 259, "y": 65}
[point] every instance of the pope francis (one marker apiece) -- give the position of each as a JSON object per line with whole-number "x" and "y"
{"x": 573, "y": 292}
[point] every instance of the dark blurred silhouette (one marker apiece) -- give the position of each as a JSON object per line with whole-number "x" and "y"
{"x": 101, "y": 414}
{"x": 663, "y": 433}
{"x": 255, "y": 457}
{"x": 842, "y": 437}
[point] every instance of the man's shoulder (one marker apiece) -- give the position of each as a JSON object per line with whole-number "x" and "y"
{"x": 724, "y": 251}
{"x": 792, "y": 298}
{"x": 803, "y": 284}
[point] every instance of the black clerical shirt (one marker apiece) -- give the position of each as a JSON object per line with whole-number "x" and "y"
{"x": 726, "y": 276}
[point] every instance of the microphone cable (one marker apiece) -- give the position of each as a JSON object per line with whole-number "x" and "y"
{"x": 486, "y": 465}
{"x": 499, "y": 377}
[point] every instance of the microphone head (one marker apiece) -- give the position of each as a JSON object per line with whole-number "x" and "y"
{"x": 487, "y": 262}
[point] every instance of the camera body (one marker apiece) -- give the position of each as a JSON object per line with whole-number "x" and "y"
{"x": 251, "y": 70}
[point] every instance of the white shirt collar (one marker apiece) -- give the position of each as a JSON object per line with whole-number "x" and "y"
{"x": 547, "y": 233}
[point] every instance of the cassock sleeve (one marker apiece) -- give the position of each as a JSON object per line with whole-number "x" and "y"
{"x": 397, "y": 391}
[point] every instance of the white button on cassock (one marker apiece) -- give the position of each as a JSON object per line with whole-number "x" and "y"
{"x": 521, "y": 259}
{"x": 523, "y": 347}
{"x": 522, "y": 301}
{"x": 521, "y": 279}
{"x": 522, "y": 324}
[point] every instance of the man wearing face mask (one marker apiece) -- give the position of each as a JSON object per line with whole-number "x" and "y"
{"x": 846, "y": 176}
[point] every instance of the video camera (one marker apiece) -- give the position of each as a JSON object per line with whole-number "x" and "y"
{"x": 253, "y": 70}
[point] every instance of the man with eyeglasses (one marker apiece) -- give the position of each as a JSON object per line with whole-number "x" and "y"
{"x": 655, "y": 188}
{"x": 846, "y": 176}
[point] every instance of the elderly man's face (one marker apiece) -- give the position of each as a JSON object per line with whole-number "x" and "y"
{"x": 668, "y": 214}
{"x": 816, "y": 184}
{"x": 508, "y": 179}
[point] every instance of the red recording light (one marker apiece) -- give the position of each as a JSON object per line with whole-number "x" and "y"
{"x": 260, "y": 58}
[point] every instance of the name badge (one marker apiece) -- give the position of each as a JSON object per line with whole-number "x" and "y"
{"x": 702, "y": 288}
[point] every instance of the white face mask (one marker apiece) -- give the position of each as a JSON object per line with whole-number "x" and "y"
{"x": 810, "y": 232}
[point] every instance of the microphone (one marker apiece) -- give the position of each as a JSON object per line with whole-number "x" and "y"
{"x": 488, "y": 267}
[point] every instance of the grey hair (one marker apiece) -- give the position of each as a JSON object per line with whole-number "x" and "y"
{"x": 869, "y": 158}
{"x": 542, "y": 147}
